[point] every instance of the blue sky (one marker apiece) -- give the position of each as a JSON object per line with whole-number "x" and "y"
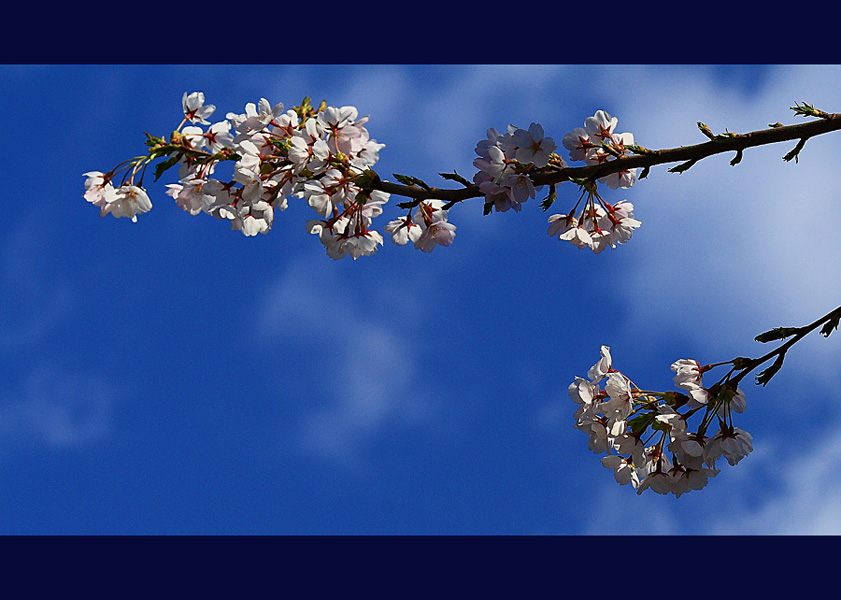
{"x": 171, "y": 376}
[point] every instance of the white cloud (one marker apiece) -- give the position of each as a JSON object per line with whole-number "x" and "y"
{"x": 34, "y": 303}
{"x": 457, "y": 115}
{"x": 381, "y": 91}
{"x": 617, "y": 510}
{"x": 804, "y": 500}
{"x": 43, "y": 404}
{"x": 372, "y": 390}
{"x": 736, "y": 249}
{"x": 57, "y": 409}
{"x": 369, "y": 363}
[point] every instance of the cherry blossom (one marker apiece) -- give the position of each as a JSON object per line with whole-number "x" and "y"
{"x": 596, "y": 143}
{"x": 532, "y": 146}
{"x": 688, "y": 376}
{"x": 619, "y": 416}
{"x": 600, "y": 126}
{"x": 600, "y": 370}
{"x": 435, "y": 228}
{"x": 323, "y": 157}
{"x": 623, "y": 469}
{"x": 129, "y": 201}
{"x": 256, "y": 117}
{"x": 403, "y": 231}
{"x": 505, "y": 162}
{"x": 98, "y": 189}
{"x": 439, "y": 233}
{"x": 599, "y": 225}
{"x": 732, "y": 443}
{"x": 303, "y": 153}
{"x": 190, "y": 196}
{"x": 195, "y": 110}
{"x": 579, "y": 144}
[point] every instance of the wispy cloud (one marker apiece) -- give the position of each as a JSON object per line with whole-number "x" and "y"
{"x": 803, "y": 499}
{"x": 368, "y": 367}
{"x": 54, "y": 408}
{"x": 34, "y": 301}
{"x": 731, "y": 248}
{"x": 42, "y": 403}
{"x": 616, "y": 510}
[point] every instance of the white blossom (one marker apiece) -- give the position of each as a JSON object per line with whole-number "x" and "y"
{"x": 403, "y": 231}
{"x": 623, "y": 469}
{"x": 532, "y": 146}
{"x": 439, "y": 233}
{"x": 129, "y": 201}
{"x": 600, "y": 370}
{"x": 734, "y": 444}
{"x": 195, "y": 110}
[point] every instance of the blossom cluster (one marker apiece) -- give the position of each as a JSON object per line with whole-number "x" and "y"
{"x": 598, "y": 224}
{"x": 597, "y": 142}
{"x": 506, "y": 162}
{"x": 322, "y": 156}
{"x": 432, "y": 229}
{"x": 646, "y": 437}
{"x": 124, "y": 201}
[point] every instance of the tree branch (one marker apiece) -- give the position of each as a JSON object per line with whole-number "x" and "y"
{"x": 645, "y": 159}
{"x": 829, "y": 322}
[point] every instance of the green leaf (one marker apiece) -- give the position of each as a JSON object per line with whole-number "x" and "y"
{"x": 154, "y": 141}
{"x": 163, "y": 166}
{"x": 283, "y": 144}
{"x": 304, "y": 108}
{"x": 637, "y": 149}
{"x": 456, "y": 177}
{"x": 723, "y": 137}
{"x": 705, "y": 129}
{"x": 804, "y": 110}
{"x": 766, "y": 375}
{"x": 367, "y": 180}
{"x": 675, "y": 399}
{"x": 778, "y": 333}
{"x": 409, "y": 180}
{"x": 164, "y": 150}
{"x": 640, "y": 423}
{"x": 660, "y": 426}
{"x": 549, "y": 200}
{"x": 610, "y": 149}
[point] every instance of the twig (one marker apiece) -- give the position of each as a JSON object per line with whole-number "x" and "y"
{"x": 732, "y": 142}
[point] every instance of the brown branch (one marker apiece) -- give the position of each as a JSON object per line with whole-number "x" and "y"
{"x": 744, "y": 365}
{"x": 730, "y": 142}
